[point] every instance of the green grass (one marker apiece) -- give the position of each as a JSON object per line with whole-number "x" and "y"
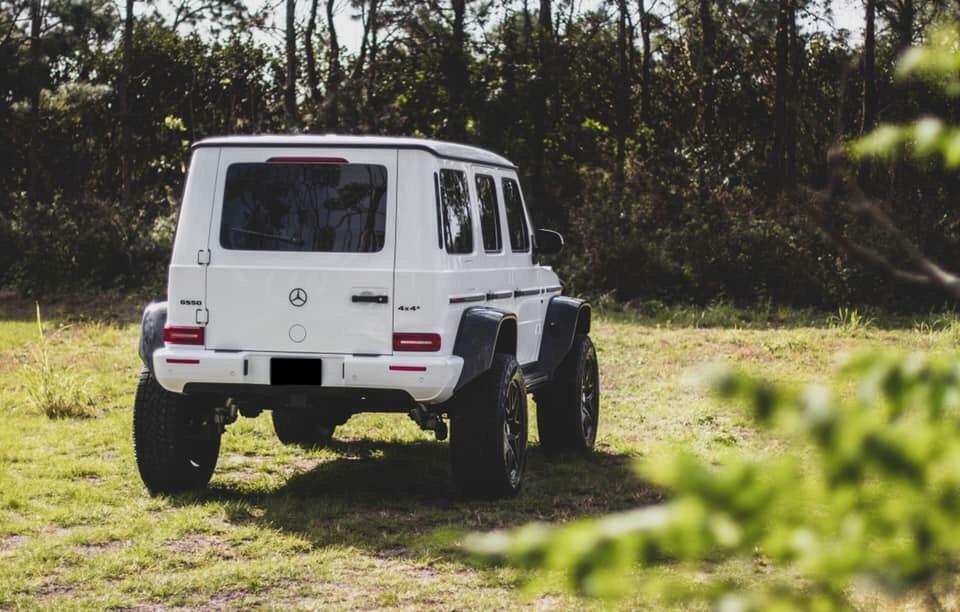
{"x": 370, "y": 522}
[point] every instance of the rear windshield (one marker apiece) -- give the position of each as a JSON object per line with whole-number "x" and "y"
{"x": 304, "y": 207}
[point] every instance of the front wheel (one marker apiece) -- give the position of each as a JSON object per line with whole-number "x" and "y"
{"x": 176, "y": 441}
{"x": 568, "y": 409}
{"x": 488, "y": 437}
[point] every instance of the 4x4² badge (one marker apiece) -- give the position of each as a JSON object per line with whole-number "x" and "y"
{"x": 298, "y": 297}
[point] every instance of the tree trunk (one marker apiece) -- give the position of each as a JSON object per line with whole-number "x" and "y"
{"x": 793, "y": 93}
{"x": 707, "y": 95}
{"x": 905, "y": 23}
{"x": 123, "y": 87}
{"x": 868, "y": 116}
{"x": 33, "y": 161}
{"x": 372, "y": 105}
{"x": 645, "y": 63}
{"x": 622, "y": 98}
{"x": 290, "y": 89}
{"x": 456, "y": 74}
{"x": 541, "y": 99}
{"x": 780, "y": 90}
{"x": 334, "y": 74}
{"x": 313, "y": 82}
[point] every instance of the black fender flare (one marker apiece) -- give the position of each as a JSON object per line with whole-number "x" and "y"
{"x": 566, "y": 317}
{"x": 151, "y": 331}
{"x": 483, "y": 331}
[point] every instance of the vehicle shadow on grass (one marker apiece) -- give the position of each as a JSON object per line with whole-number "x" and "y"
{"x": 395, "y": 498}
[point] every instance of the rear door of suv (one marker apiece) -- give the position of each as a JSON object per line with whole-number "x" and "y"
{"x": 301, "y": 250}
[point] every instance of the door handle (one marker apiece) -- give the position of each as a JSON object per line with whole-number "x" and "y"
{"x": 369, "y": 299}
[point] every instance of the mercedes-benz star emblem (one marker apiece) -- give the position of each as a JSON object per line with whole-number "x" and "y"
{"x": 298, "y": 297}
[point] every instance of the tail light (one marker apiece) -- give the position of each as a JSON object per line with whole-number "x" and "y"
{"x": 420, "y": 343}
{"x": 183, "y": 335}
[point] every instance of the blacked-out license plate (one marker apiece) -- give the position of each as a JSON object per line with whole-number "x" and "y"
{"x": 290, "y": 371}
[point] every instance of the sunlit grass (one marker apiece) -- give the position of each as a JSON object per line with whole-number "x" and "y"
{"x": 360, "y": 524}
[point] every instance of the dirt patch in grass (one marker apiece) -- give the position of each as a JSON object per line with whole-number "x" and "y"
{"x": 199, "y": 544}
{"x": 10, "y": 544}
{"x": 303, "y": 464}
{"x": 227, "y": 599}
{"x": 96, "y": 548}
{"x": 53, "y": 590}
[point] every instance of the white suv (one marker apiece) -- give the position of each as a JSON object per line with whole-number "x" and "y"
{"x": 323, "y": 276}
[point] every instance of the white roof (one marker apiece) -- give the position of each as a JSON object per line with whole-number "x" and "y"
{"x": 450, "y": 150}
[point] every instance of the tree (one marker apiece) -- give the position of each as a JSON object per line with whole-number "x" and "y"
{"x": 313, "y": 81}
{"x": 623, "y": 94}
{"x": 290, "y": 84}
{"x": 334, "y": 72}
{"x": 706, "y": 69}
{"x": 869, "y": 108}
{"x": 123, "y": 85}
{"x": 33, "y": 172}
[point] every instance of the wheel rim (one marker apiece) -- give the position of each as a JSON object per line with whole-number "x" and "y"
{"x": 514, "y": 434}
{"x": 589, "y": 398}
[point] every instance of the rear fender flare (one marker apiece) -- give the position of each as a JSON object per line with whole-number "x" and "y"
{"x": 151, "y": 332}
{"x": 483, "y": 331}
{"x": 566, "y": 317}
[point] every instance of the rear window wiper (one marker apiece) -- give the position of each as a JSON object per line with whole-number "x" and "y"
{"x": 279, "y": 237}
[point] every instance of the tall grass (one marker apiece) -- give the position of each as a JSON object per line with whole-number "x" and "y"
{"x": 54, "y": 390}
{"x": 851, "y": 320}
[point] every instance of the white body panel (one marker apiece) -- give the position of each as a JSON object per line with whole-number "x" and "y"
{"x": 248, "y": 292}
{"x": 245, "y": 294}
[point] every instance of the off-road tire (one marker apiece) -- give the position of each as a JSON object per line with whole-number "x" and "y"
{"x": 302, "y": 427}
{"x": 568, "y": 409}
{"x": 175, "y": 439}
{"x": 488, "y": 437}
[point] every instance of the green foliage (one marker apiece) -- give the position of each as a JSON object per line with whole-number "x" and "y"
{"x": 937, "y": 63}
{"x": 52, "y": 390}
{"x": 870, "y": 493}
{"x": 876, "y": 498}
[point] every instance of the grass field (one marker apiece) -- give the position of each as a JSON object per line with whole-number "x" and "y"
{"x": 370, "y": 522}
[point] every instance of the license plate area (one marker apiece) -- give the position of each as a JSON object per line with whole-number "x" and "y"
{"x": 292, "y": 371}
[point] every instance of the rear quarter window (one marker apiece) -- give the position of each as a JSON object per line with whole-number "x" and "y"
{"x": 455, "y": 204}
{"x": 516, "y": 221}
{"x": 304, "y": 207}
{"x": 489, "y": 215}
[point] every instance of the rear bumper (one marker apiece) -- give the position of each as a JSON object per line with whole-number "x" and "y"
{"x": 428, "y": 379}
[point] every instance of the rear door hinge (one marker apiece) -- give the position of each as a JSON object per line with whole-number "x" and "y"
{"x": 203, "y": 257}
{"x": 203, "y": 316}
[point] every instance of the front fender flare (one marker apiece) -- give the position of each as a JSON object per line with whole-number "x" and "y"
{"x": 566, "y": 317}
{"x": 151, "y": 332}
{"x": 477, "y": 340}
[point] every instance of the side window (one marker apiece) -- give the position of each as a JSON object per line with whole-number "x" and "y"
{"x": 457, "y": 228}
{"x": 489, "y": 215}
{"x": 516, "y": 222}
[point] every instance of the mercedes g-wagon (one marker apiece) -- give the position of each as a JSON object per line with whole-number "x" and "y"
{"x": 324, "y": 276}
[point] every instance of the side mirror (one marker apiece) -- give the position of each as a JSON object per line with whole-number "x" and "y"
{"x": 547, "y": 242}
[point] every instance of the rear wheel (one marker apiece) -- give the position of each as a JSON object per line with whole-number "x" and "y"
{"x": 488, "y": 438}
{"x": 303, "y": 427}
{"x": 568, "y": 409}
{"x": 176, "y": 440}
